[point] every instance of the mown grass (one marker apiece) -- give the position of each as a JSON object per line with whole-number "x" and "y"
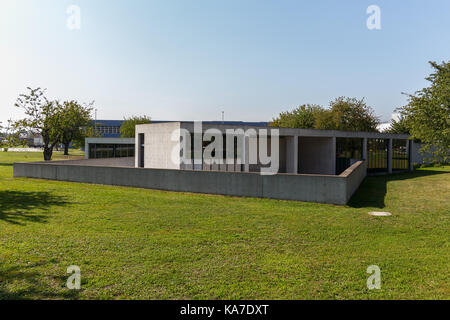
{"x": 144, "y": 244}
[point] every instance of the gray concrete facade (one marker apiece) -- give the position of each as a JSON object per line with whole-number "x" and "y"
{"x": 160, "y": 145}
{"x": 304, "y": 151}
{"x": 314, "y": 155}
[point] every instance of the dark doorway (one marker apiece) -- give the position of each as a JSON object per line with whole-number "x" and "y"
{"x": 141, "y": 142}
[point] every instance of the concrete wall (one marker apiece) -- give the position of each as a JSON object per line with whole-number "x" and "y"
{"x": 291, "y": 154}
{"x": 355, "y": 175}
{"x": 159, "y": 145}
{"x": 316, "y": 155}
{"x": 312, "y": 188}
{"x": 417, "y": 157}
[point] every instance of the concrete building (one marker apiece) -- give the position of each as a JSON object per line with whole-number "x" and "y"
{"x": 177, "y": 145}
{"x": 108, "y": 128}
{"x": 236, "y": 159}
{"x": 101, "y": 148}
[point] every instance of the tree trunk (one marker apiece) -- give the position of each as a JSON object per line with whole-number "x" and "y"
{"x": 66, "y": 149}
{"x": 48, "y": 148}
{"x": 48, "y": 152}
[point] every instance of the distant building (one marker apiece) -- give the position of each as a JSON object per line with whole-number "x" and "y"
{"x": 38, "y": 141}
{"x": 108, "y": 128}
{"x": 384, "y": 126}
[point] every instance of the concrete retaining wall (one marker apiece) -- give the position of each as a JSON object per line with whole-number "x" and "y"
{"x": 312, "y": 188}
{"x": 355, "y": 175}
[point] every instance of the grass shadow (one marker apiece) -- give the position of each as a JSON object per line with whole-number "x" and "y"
{"x": 372, "y": 191}
{"x": 28, "y": 284}
{"x": 6, "y": 164}
{"x": 18, "y": 207}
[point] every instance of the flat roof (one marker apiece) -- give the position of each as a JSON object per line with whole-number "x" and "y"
{"x": 189, "y": 125}
{"x": 108, "y": 140}
{"x": 118, "y": 123}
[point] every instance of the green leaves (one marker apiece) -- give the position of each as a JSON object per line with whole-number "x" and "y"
{"x": 349, "y": 114}
{"x": 56, "y": 122}
{"x": 427, "y": 113}
{"x": 75, "y": 117}
{"x": 128, "y": 128}
{"x": 302, "y": 117}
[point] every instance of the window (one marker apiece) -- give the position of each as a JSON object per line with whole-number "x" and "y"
{"x": 400, "y": 159}
{"x": 348, "y": 151}
{"x": 100, "y": 151}
{"x": 377, "y": 155}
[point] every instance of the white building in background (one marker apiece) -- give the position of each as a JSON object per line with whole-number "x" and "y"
{"x": 38, "y": 141}
{"x": 382, "y": 127}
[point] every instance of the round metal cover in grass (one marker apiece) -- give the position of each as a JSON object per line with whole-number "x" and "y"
{"x": 380, "y": 214}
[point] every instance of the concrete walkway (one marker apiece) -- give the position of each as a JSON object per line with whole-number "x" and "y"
{"x": 107, "y": 162}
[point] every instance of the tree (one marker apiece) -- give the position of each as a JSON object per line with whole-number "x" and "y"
{"x": 349, "y": 114}
{"x": 11, "y": 137}
{"x": 428, "y": 113}
{"x": 74, "y": 119}
{"x": 301, "y": 117}
{"x": 128, "y": 127}
{"x": 42, "y": 117}
{"x": 325, "y": 120}
{"x": 399, "y": 126}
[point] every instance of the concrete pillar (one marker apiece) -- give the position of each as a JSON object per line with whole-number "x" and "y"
{"x": 292, "y": 154}
{"x": 410, "y": 146}
{"x": 245, "y": 154}
{"x": 364, "y": 149}
{"x": 389, "y": 158}
{"x": 333, "y": 154}
{"x": 86, "y": 149}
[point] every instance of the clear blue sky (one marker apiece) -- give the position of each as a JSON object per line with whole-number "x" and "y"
{"x": 189, "y": 60}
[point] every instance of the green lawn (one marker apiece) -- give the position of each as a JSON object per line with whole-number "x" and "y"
{"x": 144, "y": 244}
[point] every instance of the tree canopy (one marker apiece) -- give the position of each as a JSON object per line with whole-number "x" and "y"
{"x": 399, "y": 126}
{"x": 41, "y": 117}
{"x": 128, "y": 127}
{"x": 301, "y": 117}
{"x": 427, "y": 113}
{"x": 348, "y": 114}
{"x": 75, "y": 119}
{"x": 56, "y": 122}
